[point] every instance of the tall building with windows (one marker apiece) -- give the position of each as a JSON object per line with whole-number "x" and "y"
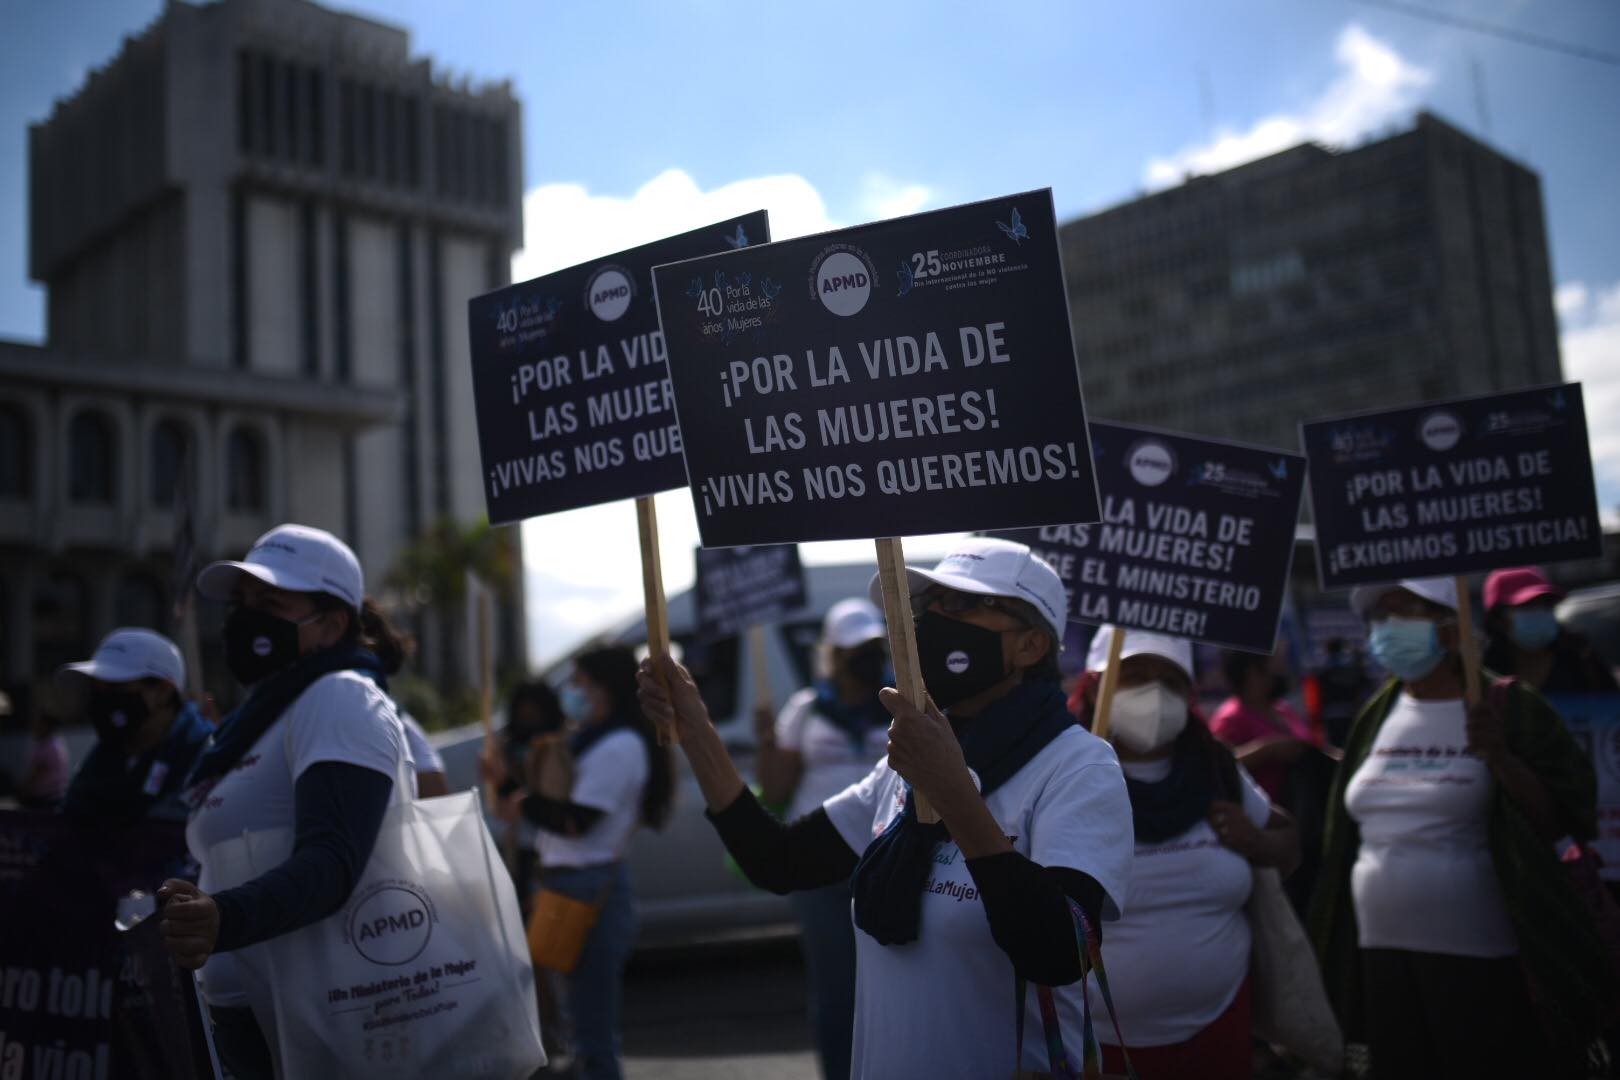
{"x": 258, "y": 227}
{"x": 1311, "y": 283}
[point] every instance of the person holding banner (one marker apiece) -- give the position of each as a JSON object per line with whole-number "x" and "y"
{"x": 1450, "y": 937}
{"x": 1266, "y": 734}
{"x": 1526, "y": 641}
{"x": 132, "y": 690}
{"x": 314, "y": 747}
{"x": 622, "y": 779}
{"x": 1180, "y": 953}
{"x": 827, "y": 737}
{"x": 1032, "y": 850}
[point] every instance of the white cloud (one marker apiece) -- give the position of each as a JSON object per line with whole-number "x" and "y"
{"x": 1374, "y": 86}
{"x": 565, "y": 224}
{"x": 1590, "y": 318}
{"x": 583, "y": 567}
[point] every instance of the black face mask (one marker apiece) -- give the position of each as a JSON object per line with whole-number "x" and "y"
{"x": 959, "y": 660}
{"x": 116, "y": 714}
{"x": 258, "y": 644}
{"x": 867, "y": 666}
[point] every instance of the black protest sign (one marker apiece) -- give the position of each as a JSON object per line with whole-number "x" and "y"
{"x": 910, "y": 376}
{"x": 1196, "y": 538}
{"x": 740, "y": 586}
{"x": 570, "y": 380}
{"x": 1452, "y": 487}
{"x": 79, "y": 997}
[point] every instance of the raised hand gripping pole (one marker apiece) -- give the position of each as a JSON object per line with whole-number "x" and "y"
{"x": 763, "y": 698}
{"x": 1110, "y": 683}
{"x": 652, "y": 585}
{"x": 1467, "y": 643}
{"x": 902, "y": 637}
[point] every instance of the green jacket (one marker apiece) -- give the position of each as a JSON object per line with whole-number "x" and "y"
{"x": 1572, "y": 982}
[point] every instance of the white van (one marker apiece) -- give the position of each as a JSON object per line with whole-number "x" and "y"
{"x": 685, "y": 890}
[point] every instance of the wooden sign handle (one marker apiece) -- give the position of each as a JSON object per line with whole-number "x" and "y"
{"x": 1110, "y": 682}
{"x": 652, "y": 585}
{"x": 486, "y": 684}
{"x": 1467, "y": 643}
{"x": 760, "y": 665}
{"x": 902, "y": 637}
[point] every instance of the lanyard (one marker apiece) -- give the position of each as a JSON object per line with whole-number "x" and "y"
{"x": 1058, "y": 1063}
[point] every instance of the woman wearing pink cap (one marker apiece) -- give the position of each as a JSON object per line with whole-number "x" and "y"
{"x": 1527, "y": 642}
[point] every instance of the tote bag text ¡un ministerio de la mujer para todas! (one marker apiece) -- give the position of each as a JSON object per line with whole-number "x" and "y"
{"x": 423, "y": 972}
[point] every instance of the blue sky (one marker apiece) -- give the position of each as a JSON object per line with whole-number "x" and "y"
{"x": 645, "y": 117}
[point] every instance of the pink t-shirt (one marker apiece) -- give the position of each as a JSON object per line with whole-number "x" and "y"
{"x": 1234, "y": 723}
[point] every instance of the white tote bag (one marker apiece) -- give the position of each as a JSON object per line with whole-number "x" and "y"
{"x": 425, "y": 970}
{"x": 1289, "y": 1005}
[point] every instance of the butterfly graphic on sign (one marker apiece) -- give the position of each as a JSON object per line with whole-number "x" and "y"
{"x": 738, "y": 241}
{"x": 743, "y": 279}
{"x": 1556, "y": 401}
{"x": 695, "y": 289}
{"x": 1279, "y": 469}
{"x": 769, "y": 289}
{"x": 1016, "y": 231}
{"x": 906, "y": 279}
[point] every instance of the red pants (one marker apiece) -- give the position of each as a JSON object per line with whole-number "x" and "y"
{"x": 1222, "y": 1051}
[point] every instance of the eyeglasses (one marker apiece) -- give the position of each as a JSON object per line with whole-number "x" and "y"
{"x": 953, "y": 602}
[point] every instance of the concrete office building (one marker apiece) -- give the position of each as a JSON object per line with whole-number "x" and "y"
{"x": 258, "y": 227}
{"x": 1311, "y": 283}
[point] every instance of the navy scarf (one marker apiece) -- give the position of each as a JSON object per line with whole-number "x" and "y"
{"x": 853, "y": 720}
{"x": 1165, "y": 809}
{"x": 888, "y": 880}
{"x": 266, "y": 702}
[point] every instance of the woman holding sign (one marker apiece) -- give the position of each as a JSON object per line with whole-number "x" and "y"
{"x": 1449, "y": 935}
{"x": 1180, "y": 954}
{"x": 1035, "y": 828}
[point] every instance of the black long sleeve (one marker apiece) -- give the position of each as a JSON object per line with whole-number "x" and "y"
{"x": 337, "y": 810}
{"x": 559, "y": 816}
{"x": 806, "y": 853}
{"x": 1029, "y": 915}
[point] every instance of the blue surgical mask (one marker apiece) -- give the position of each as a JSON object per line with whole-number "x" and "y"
{"x": 1408, "y": 648}
{"x": 576, "y": 704}
{"x": 1534, "y": 629}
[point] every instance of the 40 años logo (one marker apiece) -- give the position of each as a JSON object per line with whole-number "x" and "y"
{"x": 390, "y": 922}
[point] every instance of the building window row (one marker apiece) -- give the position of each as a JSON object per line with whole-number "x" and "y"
{"x": 92, "y": 465}
{"x": 470, "y": 155}
{"x": 379, "y": 134}
{"x": 280, "y": 109}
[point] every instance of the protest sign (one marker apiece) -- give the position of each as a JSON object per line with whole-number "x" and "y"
{"x": 738, "y": 587}
{"x": 1452, "y": 487}
{"x": 1196, "y": 537}
{"x": 1594, "y": 721}
{"x": 570, "y": 381}
{"x": 77, "y": 997}
{"x": 909, "y": 376}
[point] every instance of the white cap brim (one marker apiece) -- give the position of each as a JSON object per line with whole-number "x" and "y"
{"x": 218, "y": 580}
{"x": 83, "y": 671}
{"x": 918, "y": 580}
{"x": 1439, "y": 591}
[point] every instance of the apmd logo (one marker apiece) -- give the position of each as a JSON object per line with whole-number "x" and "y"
{"x": 1151, "y": 463}
{"x": 1440, "y": 431}
{"x": 609, "y": 293}
{"x": 842, "y": 281}
{"x": 391, "y": 923}
{"x": 957, "y": 662}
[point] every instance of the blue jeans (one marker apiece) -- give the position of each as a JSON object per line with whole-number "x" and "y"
{"x": 828, "y": 937}
{"x": 596, "y": 985}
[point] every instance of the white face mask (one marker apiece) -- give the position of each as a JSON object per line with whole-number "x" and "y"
{"x": 1146, "y": 718}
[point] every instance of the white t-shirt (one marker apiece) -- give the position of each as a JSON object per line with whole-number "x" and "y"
{"x": 1424, "y": 880}
{"x": 942, "y": 1006}
{"x": 1178, "y": 957}
{"x": 608, "y": 777}
{"x": 341, "y": 717}
{"x": 832, "y": 760}
{"x": 423, "y": 757}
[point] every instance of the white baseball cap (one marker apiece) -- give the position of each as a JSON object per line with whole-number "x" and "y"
{"x": 1139, "y": 643}
{"x": 126, "y": 654}
{"x": 295, "y": 557}
{"x": 852, "y": 622}
{"x": 1436, "y": 590}
{"x": 991, "y": 567}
